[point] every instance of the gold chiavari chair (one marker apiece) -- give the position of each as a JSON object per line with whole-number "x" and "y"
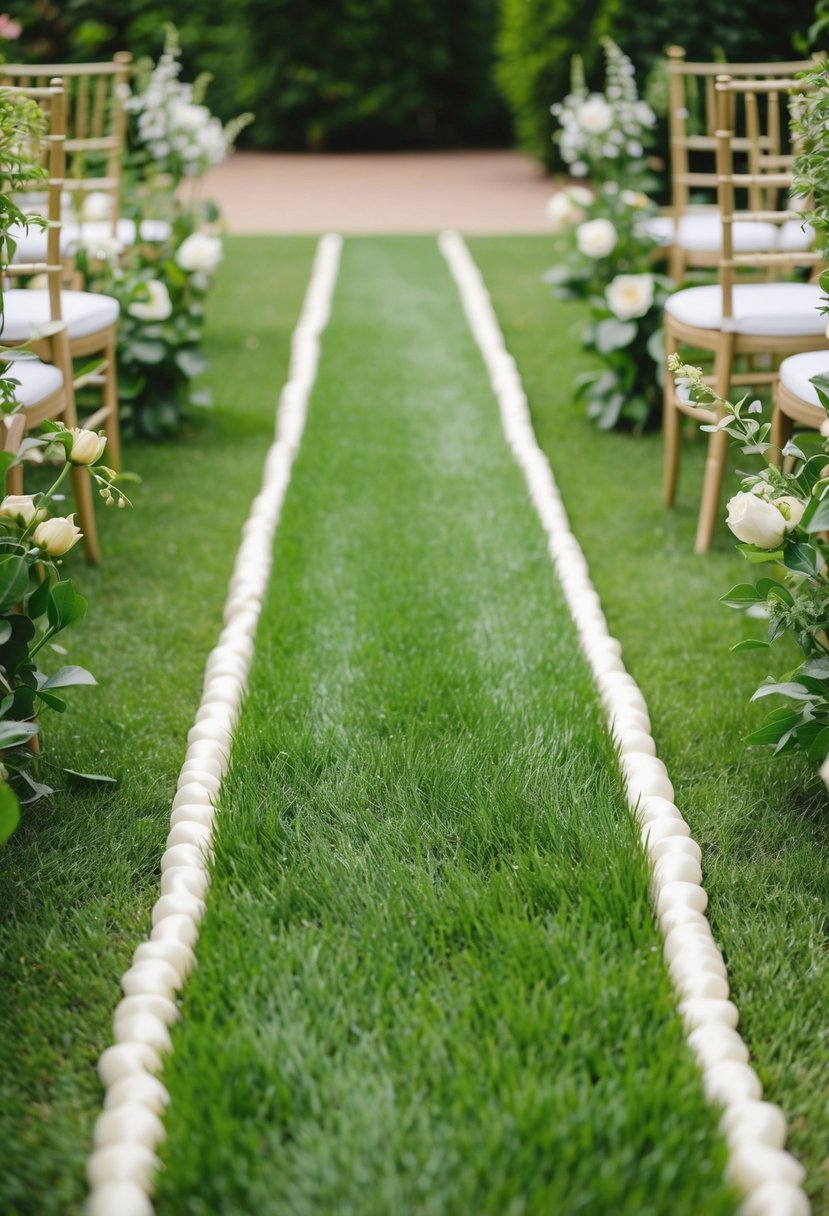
{"x": 731, "y": 318}
{"x": 46, "y": 384}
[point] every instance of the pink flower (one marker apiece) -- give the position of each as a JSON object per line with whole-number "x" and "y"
{"x": 9, "y": 28}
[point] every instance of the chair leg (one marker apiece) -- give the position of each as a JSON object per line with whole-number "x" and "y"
{"x": 717, "y": 452}
{"x": 671, "y": 431}
{"x": 110, "y": 403}
{"x": 781, "y": 431}
{"x": 84, "y": 502}
{"x": 14, "y": 480}
{"x": 81, "y": 480}
{"x": 676, "y": 263}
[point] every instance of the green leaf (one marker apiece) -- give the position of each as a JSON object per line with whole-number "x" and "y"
{"x": 146, "y": 351}
{"x": 818, "y": 748}
{"x": 611, "y": 334}
{"x": 91, "y": 776}
{"x": 656, "y": 346}
{"x": 799, "y": 557}
{"x": 774, "y": 730}
{"x": 65, "y": 605}
{"x": 52, "y": 701}
{"x": 816, "y": 516}
{"x": 68, "y": 677}
{"x": 38, "y": 600}
{"x": 742, "y": 595}
{"x": 14, "y": 581}
{"x": 817, "y": 668}
{"x": 14, "y": 733}
{"x": 9, "y": 812}
{"x": 5, "y": 631}
{"x": 797, "y": 692}
{"x": 749, "y": 644}
{"x": 756, "y": 556}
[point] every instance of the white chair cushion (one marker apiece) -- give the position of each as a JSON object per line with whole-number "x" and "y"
{"x": 36, "y": 380}
{"x": 797, "y": 371}
{"x": 31, "y": 245}
{"x": 795, "y": 236}
{"x": 85, "y": 312}
{"x": 703, "y": 233}
{"x": 764, "y": 309}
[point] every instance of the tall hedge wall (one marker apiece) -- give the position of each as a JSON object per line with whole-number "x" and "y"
{"x": 536, "y": 39}
{"x": 317, "y": 73}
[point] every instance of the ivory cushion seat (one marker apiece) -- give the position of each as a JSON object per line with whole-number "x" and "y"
{"x": 796, "y": 373}
{"x": 85, "y": 313}
{"x": 36, "y": 380}
{"x": 31, "y": 244}
{"x": 763, "y": 309}
{"x": 703, "y": 233}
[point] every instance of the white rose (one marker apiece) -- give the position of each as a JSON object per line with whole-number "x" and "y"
{"x": 636, "y": 199}
{"x": 200, "y": 252}
{"x": 562, "y": 212}
{"x": 596, "y": 238}
{"x": 793, "y": 510}
{"x": 87, "y": 446}
{"x": 20, "y": 506}
{"x": 755, "y": 521}
{"x": 102, "y": 246}
{"x": 579, "y": 168}
{"x": 157, "y": 308}
{"x": 630, "y": 295}
{"x": 595, "y": 116}
{"x": 58, "y": 535}
{"x": 96, "y": 206}
{"x": 580, "y": 195}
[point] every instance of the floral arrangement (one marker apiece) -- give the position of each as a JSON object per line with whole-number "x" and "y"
{"x": 162, "y": 286}
{"x": 174, "y": 131}
{"x": 604, "y": 136}
{"x": 162, "y": 289}
{"x": 783, "y": 518}
{"x": 36, "y": 604}
{"x": 610, "y": 266}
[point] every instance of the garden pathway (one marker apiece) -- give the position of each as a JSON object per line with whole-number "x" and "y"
{"x": 475, "y": 192}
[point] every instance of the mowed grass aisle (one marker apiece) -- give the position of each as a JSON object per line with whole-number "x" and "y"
{"x": 427, "y": 980}
{"x": 78, "y": 879}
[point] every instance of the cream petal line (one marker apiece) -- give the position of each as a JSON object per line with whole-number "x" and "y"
{"x": 680, "y": 900}
{"x": 776, "y": 1199}
{"x": 122, "y": 1167}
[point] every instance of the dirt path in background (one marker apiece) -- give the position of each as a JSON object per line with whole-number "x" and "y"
{"x": 476, "y": 192}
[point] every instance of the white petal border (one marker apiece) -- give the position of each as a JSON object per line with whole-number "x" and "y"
{"x": 769, "y": 1178}
{"x": 122, "y": 1166}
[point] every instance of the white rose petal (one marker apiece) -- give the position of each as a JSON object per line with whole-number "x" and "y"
{"x": 596, "y": 238}
{"x": 202, "y": 253}
{"x": 20, "y": 506}
{"x": 595, "y": 116}
{"x": 58, "y": 535}
{"x": 795, "y": 508}
{"x": 87, "y": 446}
{"x": 157, "y": 308}
{"x": 755, "y": 521}
{"x": 630, "y": 295}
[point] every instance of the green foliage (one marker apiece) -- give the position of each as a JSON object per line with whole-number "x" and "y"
{"x": 537, "y": 39}
{"x": 347, "y": 73}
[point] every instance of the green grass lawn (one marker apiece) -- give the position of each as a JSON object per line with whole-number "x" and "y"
{"x": 79, "y": 877}
{"x": 428, "y": 980}
{"x": 763, "y": 825}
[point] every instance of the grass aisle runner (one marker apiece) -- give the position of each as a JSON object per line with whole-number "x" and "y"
{"x": 428, "y": 980}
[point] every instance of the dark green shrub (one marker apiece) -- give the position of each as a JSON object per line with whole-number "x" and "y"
{"x": 343, "y": 74}
{"x": 537, "y": 38}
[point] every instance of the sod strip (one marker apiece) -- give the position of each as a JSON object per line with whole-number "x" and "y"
{"x": 756, "y": 1130}
{"x": 122, "y": 1167}
{"x": 428, "y": 979}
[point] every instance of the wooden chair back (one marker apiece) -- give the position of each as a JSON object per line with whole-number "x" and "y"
{"x": 694, "y": 118}
{"x": 51, "y": 155}
{"x": 95, "y": 122}
{"x": 761, "y": 181}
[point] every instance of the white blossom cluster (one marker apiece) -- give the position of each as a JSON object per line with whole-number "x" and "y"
{"x": 173, "y": 126}
{"x": 600, "y": 127}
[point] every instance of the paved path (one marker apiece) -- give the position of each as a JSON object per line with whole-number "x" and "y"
{"x": 475, "y": 192}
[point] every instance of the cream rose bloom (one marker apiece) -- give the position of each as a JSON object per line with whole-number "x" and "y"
{"x": 755, "y": 521}
{"x": 595, "y": 116}
{"x": 96, "y": 206}
{"x": 596, "y": 238}
{"x": 563, "y": 212}
{"x": 58, "y": 535}
{"x": 637, "y": 199}
{"x": 630, "y": 295}
{"x": 199, "y": 252}
{"x": 795, "y": 508}
{"x": 157, "y": 308}
{"x": 87, "y": 446}
{"x": 20, "y": 506}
